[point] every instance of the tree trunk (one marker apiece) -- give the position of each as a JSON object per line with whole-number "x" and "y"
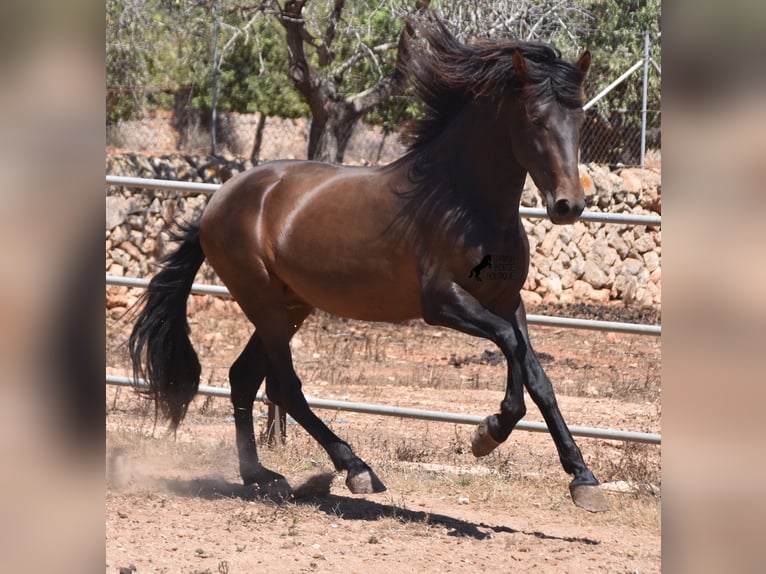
{"x": 255, "y": 155}
{"x": 329, "y": 134}
{"x": 333, "y": 114}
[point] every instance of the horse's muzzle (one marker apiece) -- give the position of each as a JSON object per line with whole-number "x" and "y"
{"x": 564, "y": 211}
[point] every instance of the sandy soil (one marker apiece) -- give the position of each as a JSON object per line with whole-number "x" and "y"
{"x": 177, "y": 505}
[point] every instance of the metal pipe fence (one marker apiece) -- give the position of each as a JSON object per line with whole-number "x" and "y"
{"x": 546, "y": 320}
{"x": 419, "y": 414}
{"x": 221, "y": 291}
{"x": 528, "y": 212}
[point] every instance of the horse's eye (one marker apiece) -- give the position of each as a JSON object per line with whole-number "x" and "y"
{"x": 537, "y": 120}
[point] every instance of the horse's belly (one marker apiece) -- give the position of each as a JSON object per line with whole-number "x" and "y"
{"x": 357, "y": 292}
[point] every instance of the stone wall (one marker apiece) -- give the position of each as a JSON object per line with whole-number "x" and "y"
{"x": 579, "y": 263}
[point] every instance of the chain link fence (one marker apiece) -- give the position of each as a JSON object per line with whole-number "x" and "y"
{"x": 609, "y": 136}
{"x": 613, "y": 136}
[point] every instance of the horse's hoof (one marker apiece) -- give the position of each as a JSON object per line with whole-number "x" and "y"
{"x": 365, "y": 482}
{"x": 590, "y": 497}
{"x": 482, "y": 442}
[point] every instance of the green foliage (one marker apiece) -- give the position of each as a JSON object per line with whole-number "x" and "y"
{"x": 159, "y": 50}
{"x": 616, "y": 39}
{"x": 254, "y": 75}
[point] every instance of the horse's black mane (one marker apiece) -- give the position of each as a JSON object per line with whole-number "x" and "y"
{"x": 446, "y": 74}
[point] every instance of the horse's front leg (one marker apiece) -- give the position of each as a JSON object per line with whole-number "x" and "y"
{"x": 452, "y": 306}
{"x": 584, "y": 488}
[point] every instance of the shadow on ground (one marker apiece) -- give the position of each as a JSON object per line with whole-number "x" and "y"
{"x": 315, "y": 492}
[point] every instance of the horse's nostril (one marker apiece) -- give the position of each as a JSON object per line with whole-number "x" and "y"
{"x": 562, "y": 207}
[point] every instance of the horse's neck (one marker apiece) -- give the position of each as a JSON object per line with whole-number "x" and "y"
{"x": 478, "y": 159}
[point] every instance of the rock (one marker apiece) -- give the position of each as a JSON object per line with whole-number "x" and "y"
{"x": 531, "y": 297}
{"x": 652, "y": 260}
{"x": 585, "y": 242}
{"x": 150, "y": 246}
{"x": 593, "y": 275}
{"x": 133, "y": 251}
{"x": 566, "y": 297}
{"x": 577, "y": 265}
{"x": 551, "y": 284}
{"x": 588, "y": 185}
{"x": 632, "y": 266}
{"x": 644, "y": 243}
{"x": 116, "y": 211}
{"x": 567, "y": 279}
{"x": 625, "y": 288}
{"x": 116, "y": 269}
{"x": 616, "y": 241}
{"x": 602, "y": 255}
{"x": 546, "y": 247}
{"x": 600, "y": 295}
{"x": 557, "y": 245}
{"x": 577, "y": 230}
{"x": 632, "y": 181}
{"x": 117, "y": 297}
{"x": 652, "y": 293}
{"x": 581, "y": 290}
{"x": 120, "y": 257}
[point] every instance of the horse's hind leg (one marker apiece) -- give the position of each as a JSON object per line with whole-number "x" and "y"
{"x": 246, "y": 376}
{"x": 284, "y": 388}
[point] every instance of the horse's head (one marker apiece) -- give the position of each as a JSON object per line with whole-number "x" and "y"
{"x": 545, "y": 132}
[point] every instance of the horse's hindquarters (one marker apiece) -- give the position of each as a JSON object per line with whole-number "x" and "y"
{"x": 320, "y": 231}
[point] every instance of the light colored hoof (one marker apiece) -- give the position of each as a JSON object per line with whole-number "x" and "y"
{"x": 482, "y": 442}
{"x": 365, "y": 482}
{"x": 590, "y": 497}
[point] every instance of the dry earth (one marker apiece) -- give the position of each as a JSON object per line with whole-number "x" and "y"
{"x": 175, "y": 504}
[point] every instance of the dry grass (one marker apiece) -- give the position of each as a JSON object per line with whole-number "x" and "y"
{"x": 407, "y": 365}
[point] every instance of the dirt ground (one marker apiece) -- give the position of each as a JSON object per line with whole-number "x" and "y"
{"x": 176, "y": 504}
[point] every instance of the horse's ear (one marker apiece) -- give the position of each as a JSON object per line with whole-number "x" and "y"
{"x": 584, "y": 62}
{"x": 520, "y": 65}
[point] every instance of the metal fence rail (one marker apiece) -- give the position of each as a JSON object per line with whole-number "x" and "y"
{"x": 574, "y": 323}
{"x": 528, "y": 212}
{"x": 221, "y": 291}
{"x": 384, "y": 410}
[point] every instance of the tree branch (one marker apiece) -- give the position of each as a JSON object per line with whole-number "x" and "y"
{"x": 303, "y": 77}
{"x": 397, "y": 81}
{"x": 329, "y": 34}
{"x": 360, "y": 54}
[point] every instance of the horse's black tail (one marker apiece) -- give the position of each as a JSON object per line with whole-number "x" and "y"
{"x": 159, "y": 344}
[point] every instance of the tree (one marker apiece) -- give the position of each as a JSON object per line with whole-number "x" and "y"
{"x": 617, "y": 42}
{"x": 338, "y": 62}
{"x": 324, "y": 76}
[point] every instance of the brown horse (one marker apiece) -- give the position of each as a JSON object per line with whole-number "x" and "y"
{"x": 388, "y": 243}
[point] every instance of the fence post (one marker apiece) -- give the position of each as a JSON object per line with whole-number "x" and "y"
{"x": 644, "y": 97}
